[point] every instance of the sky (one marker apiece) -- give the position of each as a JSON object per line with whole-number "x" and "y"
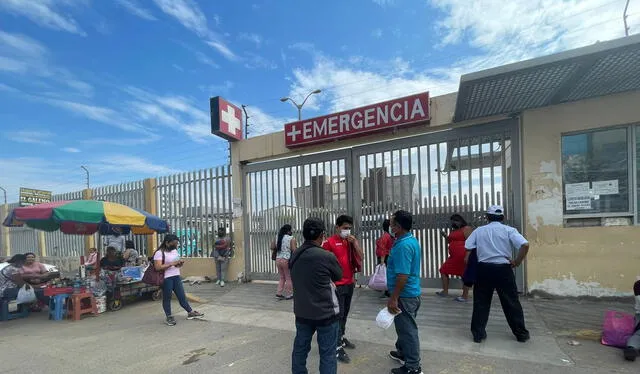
{"x": 122, "y": 87}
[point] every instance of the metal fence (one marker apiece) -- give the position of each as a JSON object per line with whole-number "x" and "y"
{"x": 196, "y": 204}
{"x": 22, "y": 239}
{"x": 62, "y": 245}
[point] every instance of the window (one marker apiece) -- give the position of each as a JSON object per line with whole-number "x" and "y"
{"x": 596, "y": 172}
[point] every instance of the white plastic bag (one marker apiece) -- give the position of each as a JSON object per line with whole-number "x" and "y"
{"x": 26, "y": 295}
{"x": 378, "y": 280}
{"x": 385, "y": 318}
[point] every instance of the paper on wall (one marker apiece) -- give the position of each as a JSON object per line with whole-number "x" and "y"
{"x": 237, "y": 208}
{"x": 577, "y": 196}
{"x": 609, "y": 187}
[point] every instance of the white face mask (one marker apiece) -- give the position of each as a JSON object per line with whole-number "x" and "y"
{"x": 345, "y": 234}
{"x": 393, "y": 234}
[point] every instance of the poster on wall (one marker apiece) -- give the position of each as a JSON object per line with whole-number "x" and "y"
{"x": 577, "y": 196}
{"x": 30, "y": 196}
{"x": 609, "y": 187}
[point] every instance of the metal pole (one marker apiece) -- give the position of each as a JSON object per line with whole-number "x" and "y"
{"x": 5, "y": 195}
{"x": 87, "y": 171}
{"x": 299, "y": 112}
{"x": 246, "y": 122}
{"x": 624, "y": 19}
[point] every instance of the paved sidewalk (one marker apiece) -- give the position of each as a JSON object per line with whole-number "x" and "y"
{"x": 248, "y": 331}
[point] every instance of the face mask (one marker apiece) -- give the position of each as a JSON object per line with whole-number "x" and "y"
{"x": 345, "y": 234}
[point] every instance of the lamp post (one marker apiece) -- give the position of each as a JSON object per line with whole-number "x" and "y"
{"x": 299, "y": 106}
{"x": 5, "y": 195}
{"x": 86, "y": 171}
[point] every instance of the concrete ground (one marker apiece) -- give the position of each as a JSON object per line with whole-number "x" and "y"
{"x": 247, "y": 331}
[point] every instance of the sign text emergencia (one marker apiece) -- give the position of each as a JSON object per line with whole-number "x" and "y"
{"x": 372, "y": 118}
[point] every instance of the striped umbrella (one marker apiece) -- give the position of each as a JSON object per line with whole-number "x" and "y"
{"x": 85, "y": 217}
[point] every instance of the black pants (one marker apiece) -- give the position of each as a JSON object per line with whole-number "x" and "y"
{"x": 500, "y": 278}
{"x": 345, "y": 294}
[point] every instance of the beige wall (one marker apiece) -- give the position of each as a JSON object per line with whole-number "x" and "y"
{"x": 596, "y": 261}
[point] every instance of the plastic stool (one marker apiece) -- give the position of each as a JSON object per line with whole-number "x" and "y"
{"x": 75, "y": 305}
{"x": 22, "y": 312}
{"x": 56, "y": 306}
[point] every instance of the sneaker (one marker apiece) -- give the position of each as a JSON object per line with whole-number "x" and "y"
{"x": 523, "y": 339}
{"x": 405, "y": 370}
{"x": 218, "y": 282}
{"x": 221, "y": 283}
{"x": 290, "y": 297}
{"x": 170, "y": 321}
{"x": 194, "y": 314}
{"x": 342, "y": 356}
{"x": 279, "y": 297}
{"x": 630, "y": 354}
{"x": 396, "y": 356}
{"x": 347, "y": 344}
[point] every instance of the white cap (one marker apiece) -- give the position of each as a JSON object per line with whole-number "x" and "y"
{"x": 495, "y": 210}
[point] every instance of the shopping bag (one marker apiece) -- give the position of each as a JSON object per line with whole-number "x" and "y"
{"x": 26, "y": 295}
{"x": 617, "y": 328}
{"x": 385, "y": 318}
{"x": 378, "y": 280}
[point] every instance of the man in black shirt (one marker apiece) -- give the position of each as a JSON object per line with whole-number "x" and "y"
{"x": 315, "y": 303}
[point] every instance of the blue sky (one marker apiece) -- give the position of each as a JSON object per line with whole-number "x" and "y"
{"x": 122, "y": 86}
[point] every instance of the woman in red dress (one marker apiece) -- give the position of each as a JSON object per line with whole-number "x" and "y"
{"x": 454, "y": 265}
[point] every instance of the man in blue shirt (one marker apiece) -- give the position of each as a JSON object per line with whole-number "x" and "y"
{"x": 403, "y": 281}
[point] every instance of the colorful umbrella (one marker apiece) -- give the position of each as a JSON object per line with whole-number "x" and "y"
{"x": 85, "y": 217}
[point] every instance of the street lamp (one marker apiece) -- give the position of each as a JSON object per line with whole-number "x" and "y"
{"x": 5, "y": 195}
{"x": 299, "y": 106}
{"x": 86, "y": 171}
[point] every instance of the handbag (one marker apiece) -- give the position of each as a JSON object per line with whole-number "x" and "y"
{"x": 378, "y": 280}
{"x": 152, "y": 276}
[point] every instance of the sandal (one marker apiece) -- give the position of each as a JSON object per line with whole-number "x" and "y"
{"x": 461, "y": 299}
{"x": 442, "y": 294}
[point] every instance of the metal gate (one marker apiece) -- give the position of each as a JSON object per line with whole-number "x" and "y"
{"x": 462, "y": 170}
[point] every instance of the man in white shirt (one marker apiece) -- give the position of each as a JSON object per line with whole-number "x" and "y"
{"x": 494, "y": 244}
{"x": 116, "y": 241}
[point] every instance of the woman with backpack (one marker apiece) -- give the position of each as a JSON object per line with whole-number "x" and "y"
{"x": 167, "y": 260}
{"x": 282, "y": 247}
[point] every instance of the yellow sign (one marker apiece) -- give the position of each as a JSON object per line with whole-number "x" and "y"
{"x": 29, "y": 196}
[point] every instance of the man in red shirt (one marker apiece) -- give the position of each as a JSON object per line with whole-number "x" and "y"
{"x": 347, "y": 250}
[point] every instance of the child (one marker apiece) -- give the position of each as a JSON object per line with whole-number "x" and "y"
{"x": 633, "y": 344}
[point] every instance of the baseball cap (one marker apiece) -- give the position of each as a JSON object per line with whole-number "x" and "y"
{"x": 495, "y": 210}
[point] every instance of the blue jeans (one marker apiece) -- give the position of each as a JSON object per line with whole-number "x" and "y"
{"x": 408, "y": 343}
{"x": 173, "y": 285}
{"x": 327, "y": 343}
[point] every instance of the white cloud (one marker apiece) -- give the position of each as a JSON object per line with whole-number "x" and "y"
{"x": 30, "y": 137}
{"x": 377, "y": 33}
{"x": 134, "y": 8}
{"x": 124, "y": 142}
{"x": 189, "y": 14}
{"x": 206, "y": 60}
{"x": 45, "y": 13}
{"x": 133, "y": 165}
{"x": 71, "y": 150}
{"x": 384, "y": 3}
{"x": 252, "y": 38}
{"x": 218, "y": 89}
{"x": 255, "y": 61}
{"x": 261, "y": 123}
{"x": 26, "y": 58}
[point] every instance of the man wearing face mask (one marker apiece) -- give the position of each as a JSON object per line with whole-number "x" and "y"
{"x": 346, "y": 248}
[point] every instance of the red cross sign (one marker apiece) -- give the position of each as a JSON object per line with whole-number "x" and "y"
{"x": 226, "y": 119}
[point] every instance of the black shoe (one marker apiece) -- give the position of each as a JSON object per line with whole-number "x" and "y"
{"x": 347, "y": 344}
{"x": 630, "y": 354}
{"x": 480, "y": 338}
{"x": 170, "y": 321}
{"x": 279, "y": 297}
{"x": 396, "y": 356}
{"x": 523, "y": 339}
{"x": 342, "y": 356}
{"x": 404, "y": 370}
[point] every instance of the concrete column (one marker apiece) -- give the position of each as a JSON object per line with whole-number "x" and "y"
{"x": 238, "y": 264}
{"x": 151, "y": 206}
{"x": 5, "y": 245}
{"x": 89, "y": 240}
{"x": 42, "y": 245}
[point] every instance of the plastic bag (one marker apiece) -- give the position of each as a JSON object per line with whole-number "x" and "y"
{"x": 378, "y": 280}
{"x": 26, "y": 295}
{"x": 385, "y": 318}
{"x": 617, "y": 328}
